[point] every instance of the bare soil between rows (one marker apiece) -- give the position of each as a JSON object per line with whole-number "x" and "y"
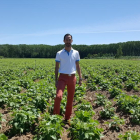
{"x": 90, "y": 97}
{"x": 108, "y": 133}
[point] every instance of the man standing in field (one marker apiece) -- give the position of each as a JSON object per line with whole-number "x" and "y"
{"x": 68, "y": 59}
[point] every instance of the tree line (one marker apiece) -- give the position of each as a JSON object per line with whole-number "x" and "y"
{"x": 131, "y": 48}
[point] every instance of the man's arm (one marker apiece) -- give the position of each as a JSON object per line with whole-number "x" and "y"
{"x": 79, "y": 72}
{"x": 56, "y": 72}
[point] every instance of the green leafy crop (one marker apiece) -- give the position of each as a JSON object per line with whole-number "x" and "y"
{"x": 101, "y": 99}
{"x": 107, "y": 110}
{"x": 114, "y": 92}
{"x": 1, "y": 120}
{"x": 22, "y": 121}
{"x": 135, "y": 115}
{"x": 84, "y": 106}
{"x": 85, "y": 130}
{"x": 126, "y": 102}
{"x": 3, "y": 137}
{"x": 84, "y": 116}
{"x": 130, "y": 135}
{"x": 116, "y": 123}
{"x": 49, "y": 128}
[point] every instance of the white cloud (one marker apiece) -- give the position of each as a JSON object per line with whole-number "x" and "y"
{"x": 125, "y": 25}
{"x": 117, "y": 26}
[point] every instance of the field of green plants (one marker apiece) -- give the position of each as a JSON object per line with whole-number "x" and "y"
{"x": 105, "y": 107}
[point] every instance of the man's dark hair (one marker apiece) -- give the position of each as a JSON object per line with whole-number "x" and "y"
{"x": 67, "y": 35}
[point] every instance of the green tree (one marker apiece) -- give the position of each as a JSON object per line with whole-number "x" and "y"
{"x": 119, "y": 52}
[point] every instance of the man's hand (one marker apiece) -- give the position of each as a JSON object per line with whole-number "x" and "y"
{"x": 56, "y": 83}
{"x": 79, "y": 72}
{"x": 56, "y": 73}
{"x": 80, "y": 81}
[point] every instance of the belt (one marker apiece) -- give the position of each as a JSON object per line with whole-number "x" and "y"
{"x": 67, "y": 74}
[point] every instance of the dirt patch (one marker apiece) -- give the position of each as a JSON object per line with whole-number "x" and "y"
{"x": 65, "y": 135}
{"x": 23, "y": 90}
{"x": 37, "y": 80}
{"x": 28, "y": 136}
{"x": 25, "y": 72}
{"x": 132, "y": 92}
{"x": 30, "y": 69}
{"x": 108, "y": 133}
{"x": 6, "y": 128}
{"x": 7, "y": 117}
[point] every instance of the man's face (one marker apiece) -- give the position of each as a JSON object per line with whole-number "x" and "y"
{"x": 68, "y": 41}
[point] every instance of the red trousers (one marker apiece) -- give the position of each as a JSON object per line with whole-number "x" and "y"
{"x": 64, "y": 80}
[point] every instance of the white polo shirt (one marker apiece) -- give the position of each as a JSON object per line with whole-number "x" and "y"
{"x": 67, "y": 61}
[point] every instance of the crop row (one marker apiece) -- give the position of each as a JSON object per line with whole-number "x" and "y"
{"x": 27, "y": 91}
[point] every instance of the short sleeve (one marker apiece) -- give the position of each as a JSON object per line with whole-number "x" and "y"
{"x": 77, "y": 56}
{"x": 57, "y": 59}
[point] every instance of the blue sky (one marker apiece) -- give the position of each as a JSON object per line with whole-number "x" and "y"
{"x": 89, "y": 21}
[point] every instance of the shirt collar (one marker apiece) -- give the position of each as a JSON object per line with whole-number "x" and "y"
{"x": 66, "y": 50}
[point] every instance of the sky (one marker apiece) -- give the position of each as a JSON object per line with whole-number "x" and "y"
{"x": 88, "y": 21}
